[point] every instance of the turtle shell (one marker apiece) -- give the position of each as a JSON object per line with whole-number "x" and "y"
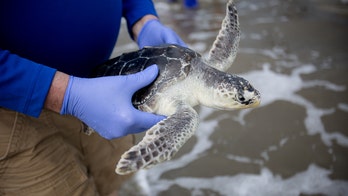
{"x": 173, "y": 61}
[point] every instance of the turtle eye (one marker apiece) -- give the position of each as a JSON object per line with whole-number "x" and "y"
{"x": 241, "y": 98}
{"x": 250, "y": 88}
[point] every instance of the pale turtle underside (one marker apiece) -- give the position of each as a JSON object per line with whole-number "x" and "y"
{"x": 185, "y": 79}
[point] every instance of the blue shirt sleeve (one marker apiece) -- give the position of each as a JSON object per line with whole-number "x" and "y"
{"x": 23, "y": 84}
{"x": 134, "y": 10}
{"x": 36, "y": 39}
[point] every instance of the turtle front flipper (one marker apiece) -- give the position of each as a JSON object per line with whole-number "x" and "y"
{"x": 161, "y": 141}
{"x": 225, "y": 46}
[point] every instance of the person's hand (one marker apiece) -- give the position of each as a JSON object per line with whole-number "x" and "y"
{"x": 105, "y": 104}
{"x": 154, "y": 33}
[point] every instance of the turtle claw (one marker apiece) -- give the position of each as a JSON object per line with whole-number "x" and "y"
{"x": 88, "y": 130}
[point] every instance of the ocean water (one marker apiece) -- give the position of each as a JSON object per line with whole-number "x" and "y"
{"x": 295, "y": 52}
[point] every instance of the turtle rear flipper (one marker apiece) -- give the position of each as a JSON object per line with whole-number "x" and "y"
{"x": 225, "y": 46}
{"x": 161, "y": 141}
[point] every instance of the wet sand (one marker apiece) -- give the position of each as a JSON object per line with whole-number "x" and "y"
{"x": 296, "y": 143}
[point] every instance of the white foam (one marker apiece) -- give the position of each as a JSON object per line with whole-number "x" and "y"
{"x": 343, "y": 107}
{"x": 242, "y": 159}
{"x": 201, "y": 35}
{"x": 314, "y": 180}
{"x": 276, "y": 86}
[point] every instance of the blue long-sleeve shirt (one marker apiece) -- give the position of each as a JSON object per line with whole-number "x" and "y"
{"x": 38, "y": 37}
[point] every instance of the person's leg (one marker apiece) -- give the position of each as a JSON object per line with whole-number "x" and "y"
{"x": 100, "y": 155}
{"x": 35, "y": 158}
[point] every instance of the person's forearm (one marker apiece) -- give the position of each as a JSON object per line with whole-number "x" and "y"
{"x": 23, "y": 84}
{"x": 56, "y": 93}
{"x": 139, "y": 24}
{"x": 133, "y": 12}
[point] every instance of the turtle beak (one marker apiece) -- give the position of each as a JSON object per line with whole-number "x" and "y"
{"x": 254, "y": 102}
{"x": 253, "y": 98}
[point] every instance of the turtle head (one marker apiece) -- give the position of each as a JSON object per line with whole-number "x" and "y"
{"x": 234, "y": 92}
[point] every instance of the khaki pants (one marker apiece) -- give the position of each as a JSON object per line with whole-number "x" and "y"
{"x": 51, "y": 155}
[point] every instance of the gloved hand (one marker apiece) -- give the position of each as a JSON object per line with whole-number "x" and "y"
{"x": 154, "y": 33}
{"x": 105, "y": 104}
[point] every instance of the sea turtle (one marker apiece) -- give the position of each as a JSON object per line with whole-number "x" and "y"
{"x": 186, "y": 79}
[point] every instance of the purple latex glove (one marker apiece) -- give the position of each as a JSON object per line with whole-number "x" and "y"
{"x": 105, "y": 104}
{"x": 154, "y": 33}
